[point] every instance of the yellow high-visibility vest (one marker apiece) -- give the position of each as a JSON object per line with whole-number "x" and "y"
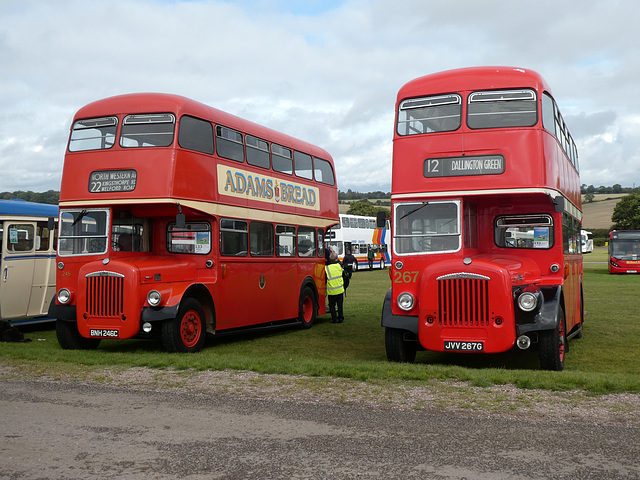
{"x": 335, "y": 284}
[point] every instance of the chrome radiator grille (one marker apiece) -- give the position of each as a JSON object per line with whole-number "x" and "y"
{"x": 463, "y": 300}
{"x": 105, "y": 294}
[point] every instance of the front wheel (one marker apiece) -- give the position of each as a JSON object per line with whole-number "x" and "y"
{"x": 70, "y": 339}
{"x": 398, "y": 349}
{"x": 187, "y": 332}
{"x": 307, "y": 308}
{"x": 553, "y": 345}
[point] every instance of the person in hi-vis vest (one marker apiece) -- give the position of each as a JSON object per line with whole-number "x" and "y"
{"x": 335, "y": 288}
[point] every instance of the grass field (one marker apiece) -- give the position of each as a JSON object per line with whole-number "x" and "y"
{"x": 605, "y": 360}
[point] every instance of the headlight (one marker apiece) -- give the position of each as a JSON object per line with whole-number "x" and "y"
{"x": 154, "y": 298}
{"x": 527, "y": 301}
{"x": 64, "y": 296}
{"x": 405, "y": 301}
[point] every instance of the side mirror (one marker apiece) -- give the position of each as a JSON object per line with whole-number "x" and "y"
{"x": 558, "y": 202}
{"x": 381, "y": 220}
{"x": 180, "y": 218}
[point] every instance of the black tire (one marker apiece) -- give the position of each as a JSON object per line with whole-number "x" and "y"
{"x": 398, "y": 350}
{"x": 70, "y": 339}
{"x": 355, "y": 266}
{"x": 307, "y": 308}
{"x": 552, "y": 347}
{"x": 188, "y": 331}
{"x": 381, "y": 264}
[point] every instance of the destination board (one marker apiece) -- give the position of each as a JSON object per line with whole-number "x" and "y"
{"x": 103, "y": 181}
{"x": 462, "y": 166}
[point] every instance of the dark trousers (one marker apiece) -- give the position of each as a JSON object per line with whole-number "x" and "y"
{"x": 336, "y": 301}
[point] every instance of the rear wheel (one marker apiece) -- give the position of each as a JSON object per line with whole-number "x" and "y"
{"x": 553, "y": 345}
{"x": 307, "y": 308}
{"x": 70, "y": 339}
{"x": 398, "y": 349}
{"x": 187, "y": 332}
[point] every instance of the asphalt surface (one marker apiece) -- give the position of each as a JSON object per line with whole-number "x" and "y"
{"x": 66, "y": 430}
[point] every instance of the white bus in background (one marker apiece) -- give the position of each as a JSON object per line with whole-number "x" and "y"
{"x": 359, "y": 234}
{"x": 27, "y": 261}
{"x": 587, "y": 241}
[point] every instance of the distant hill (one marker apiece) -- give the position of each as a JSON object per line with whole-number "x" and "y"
{"x": 597, "y": 214}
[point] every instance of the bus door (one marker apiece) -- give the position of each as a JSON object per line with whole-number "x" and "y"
{"x": 18, "y": 264}
{"x": 572, "y": 273}
{"x": 43, "y": 285}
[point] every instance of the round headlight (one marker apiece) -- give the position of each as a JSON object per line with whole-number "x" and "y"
{"x": 154, "y": 297}
{"x": 527, "y": 301}
{"x": 405, "y": 301}
{"x": 64, "y": 296}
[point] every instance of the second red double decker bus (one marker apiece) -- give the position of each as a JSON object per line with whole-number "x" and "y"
{"x": 486, "y": 214}
{"x": 180, "y": 219}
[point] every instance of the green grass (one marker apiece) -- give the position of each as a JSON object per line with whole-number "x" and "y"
{"x": 605, "y": 360}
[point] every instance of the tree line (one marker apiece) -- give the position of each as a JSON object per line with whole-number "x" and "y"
{"x": 617, "y": 188}
{"x": 51, "y": 197}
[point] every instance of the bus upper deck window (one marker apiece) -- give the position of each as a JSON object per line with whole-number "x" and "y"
{"x": 502, "y": 108}
{"x": 148, "y": 130}
{"x": 229, "y": 144}
{"x": 93, "y": 134}
{"x": 281, "y": 159}
{"x": 323, "y": 171}
{"x": 441, "y": 113}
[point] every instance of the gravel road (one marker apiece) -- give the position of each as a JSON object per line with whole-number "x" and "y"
{"x": 143, "y": 424}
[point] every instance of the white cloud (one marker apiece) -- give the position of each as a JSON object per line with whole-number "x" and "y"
{"x": 325, "y": 72}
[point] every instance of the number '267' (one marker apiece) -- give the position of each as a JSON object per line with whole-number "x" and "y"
{"x": 405, "y": 277}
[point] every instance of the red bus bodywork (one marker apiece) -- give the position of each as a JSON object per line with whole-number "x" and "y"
{"x": 464, "y": 297}
{"x": 624, "y": 251}
{"x": 107, "y": 291}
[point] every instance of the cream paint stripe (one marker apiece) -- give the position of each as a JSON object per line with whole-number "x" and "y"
{"x": 214, "y": 209}
{"x": 569, "y": 207}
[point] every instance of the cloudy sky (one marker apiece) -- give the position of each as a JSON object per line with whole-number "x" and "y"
{"x": 325, "y": 71}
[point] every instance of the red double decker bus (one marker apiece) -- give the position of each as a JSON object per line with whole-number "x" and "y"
{"x": 180, "y": 219}
{"x": 624, "y": 251}
{"x": 486, "y": 210}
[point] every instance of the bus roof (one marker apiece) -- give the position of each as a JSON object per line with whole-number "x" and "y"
{"x": 139, "y": 103}
{"x": 473, "y": 78}
{"x": 24, "y": 208}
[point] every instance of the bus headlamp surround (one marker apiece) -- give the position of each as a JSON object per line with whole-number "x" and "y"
{"x": 528, "y": 301}
{"x": 406, "y": 301}
{"x": 154, "y": 298}
{"x": 64, "y": 296}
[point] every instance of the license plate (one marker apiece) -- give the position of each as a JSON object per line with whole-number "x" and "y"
{"x": 102, "y": 333}
{"x": 458, "y": 346}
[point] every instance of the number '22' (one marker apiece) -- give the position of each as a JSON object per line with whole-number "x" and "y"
{"x": 405, "y": 277}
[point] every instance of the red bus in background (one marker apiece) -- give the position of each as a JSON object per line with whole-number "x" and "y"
{"x": 624, "y": 251}
{"x": 179, "y": 219}
{"x": 486, "y": 214}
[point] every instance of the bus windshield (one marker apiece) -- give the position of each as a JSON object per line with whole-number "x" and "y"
{"x": 83, "y": 232}
{"x": 427, "y": 227}
{"x": 626, "y": 248}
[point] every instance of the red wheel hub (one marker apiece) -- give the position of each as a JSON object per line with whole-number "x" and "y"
{"x": 190, "y": 330}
